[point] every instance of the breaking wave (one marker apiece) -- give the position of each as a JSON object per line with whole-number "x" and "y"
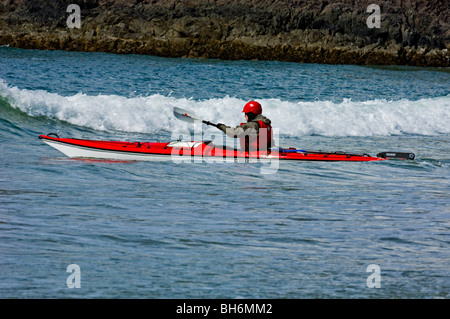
{"x": 153, "y": 113}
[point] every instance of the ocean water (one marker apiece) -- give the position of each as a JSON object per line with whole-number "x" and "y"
{"x": 204, "y": 230}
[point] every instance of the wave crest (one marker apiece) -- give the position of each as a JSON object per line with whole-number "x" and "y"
{"x": 151, "y": 114}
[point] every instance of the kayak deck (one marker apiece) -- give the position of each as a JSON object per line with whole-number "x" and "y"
{"x": 148, "y": 151}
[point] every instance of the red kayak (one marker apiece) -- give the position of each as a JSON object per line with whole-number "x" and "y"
{"x": 157, "y": 151}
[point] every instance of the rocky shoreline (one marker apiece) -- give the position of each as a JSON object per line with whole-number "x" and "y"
{"x": 413, "y": 33}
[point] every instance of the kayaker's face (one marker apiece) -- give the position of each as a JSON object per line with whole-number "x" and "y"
{"x": 246, "y": 118}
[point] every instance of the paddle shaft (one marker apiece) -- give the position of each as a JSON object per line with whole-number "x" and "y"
{"x": 211, "y": 124}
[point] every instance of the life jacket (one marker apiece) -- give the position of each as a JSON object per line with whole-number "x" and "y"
{"x": 252, "y": 143}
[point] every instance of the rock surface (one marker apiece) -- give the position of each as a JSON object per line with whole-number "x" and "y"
{"x": 415, "y": 33}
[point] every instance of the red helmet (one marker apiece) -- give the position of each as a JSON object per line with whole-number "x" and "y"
{"x": 252, "y": 107}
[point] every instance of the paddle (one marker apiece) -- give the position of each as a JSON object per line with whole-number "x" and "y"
{"x": 187, "y": 116}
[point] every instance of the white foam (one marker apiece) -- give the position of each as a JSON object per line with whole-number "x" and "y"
{"x": 429, "y": 116}
{"x": 150, "y": 114}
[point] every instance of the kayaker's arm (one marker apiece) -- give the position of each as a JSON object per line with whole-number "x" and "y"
{"x": 239, "y": 130}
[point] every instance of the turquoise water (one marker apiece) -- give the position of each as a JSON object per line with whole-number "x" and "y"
{"x": 202, "y": 230}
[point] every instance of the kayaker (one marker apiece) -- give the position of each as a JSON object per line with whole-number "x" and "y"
{"x": 257, "y": 130}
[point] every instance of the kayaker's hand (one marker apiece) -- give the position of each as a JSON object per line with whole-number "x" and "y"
{"x": 221, "y": 126}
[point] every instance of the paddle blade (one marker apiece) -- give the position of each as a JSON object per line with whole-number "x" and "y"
{"x": 399, "y": 155}
{"x": 184, "y": 115}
